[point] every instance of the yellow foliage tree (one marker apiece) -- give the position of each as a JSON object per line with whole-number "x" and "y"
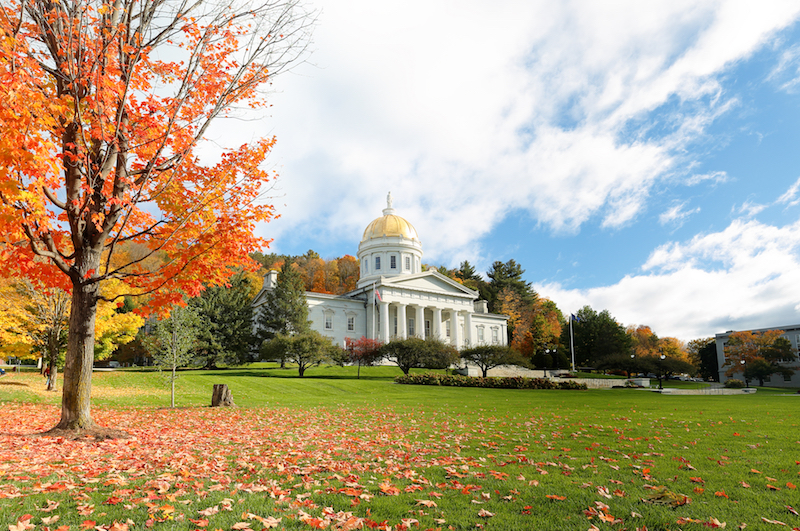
{"x": 35, "y": 322}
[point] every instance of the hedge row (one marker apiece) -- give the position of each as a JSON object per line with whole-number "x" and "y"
{"x": 516, "y": 382}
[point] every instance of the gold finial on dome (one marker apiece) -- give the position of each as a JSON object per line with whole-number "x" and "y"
{"x": 390, "y": 225}
{"x": 388, "y": 210}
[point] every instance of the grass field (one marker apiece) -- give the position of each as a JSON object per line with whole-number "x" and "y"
{"x": 330, "y": 451}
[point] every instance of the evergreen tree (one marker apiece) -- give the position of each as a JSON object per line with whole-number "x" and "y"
{"x": 507, "y": 276}
{"x": 285, "y": 310}
{"x": 467, "y": 272}
{"x": 596, "y": 336}
{"x": 226, "y": 324}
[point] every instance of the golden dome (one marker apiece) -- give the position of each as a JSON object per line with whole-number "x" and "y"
{"x": 390, "y": 225}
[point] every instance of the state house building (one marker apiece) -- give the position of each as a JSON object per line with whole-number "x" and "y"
{"x": 394, "y": 298}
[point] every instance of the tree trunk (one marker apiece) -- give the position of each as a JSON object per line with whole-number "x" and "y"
{"x": 172, "y": 386}
{"x": 53, "y": 364}
{"x": 221, "y": 396}
{"x": 302, "y": 370}
{"x": 76, "y": 397}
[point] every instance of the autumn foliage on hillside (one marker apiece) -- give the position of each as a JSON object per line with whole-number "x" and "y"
{"x": 335, "y": 276}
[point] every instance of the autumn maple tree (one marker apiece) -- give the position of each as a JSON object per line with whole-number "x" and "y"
{"x": 757, "y": 355}
{"x": 104, "y": 106}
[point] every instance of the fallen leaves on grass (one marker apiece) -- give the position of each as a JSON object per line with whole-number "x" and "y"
{"x": 662, "y": 496}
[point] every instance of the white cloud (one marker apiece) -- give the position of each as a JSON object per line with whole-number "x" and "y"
{"x": 743, "y": 277}
{"x": 790, "y": 197}
{"x": 787, "y": 72}
{"x": 676, "y": 215}
{"x": 468, "y": 111}
{"x": 750, "y": 209}
{"x": 716, "y": 177}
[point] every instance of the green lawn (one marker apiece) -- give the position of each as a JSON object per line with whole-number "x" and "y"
{"x": 330, "y": 450}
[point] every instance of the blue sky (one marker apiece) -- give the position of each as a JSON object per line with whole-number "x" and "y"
{"x": 640, "y": 157}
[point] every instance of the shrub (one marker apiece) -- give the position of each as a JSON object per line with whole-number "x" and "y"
{"x": 734, "y": 384}
{"x": 515, "y": 382}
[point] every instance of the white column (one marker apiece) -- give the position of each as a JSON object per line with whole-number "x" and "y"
{"x": 384, "y": 313}
{"x": 420, "y": 321}
{"x": 437, "y": 323}
{"x": 468, "y": 339}
{"x": 401, "y": 321}
{"x": 455, "y": 336}
{"x": 372, "y": 333}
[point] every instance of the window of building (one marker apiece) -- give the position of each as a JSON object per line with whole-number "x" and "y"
{"x": 427, "y": 328}
{"x": 377, "y": 262}
{"x": 408, "y": 263}
{"x": 495, "y": 336}
{"x": 480, "y": 335}
{"x": 351, "y": 323}
{"x": 393, "y": 262}
{"x": 328, "y": 320}
{"x": 411, "y": 328}
{"x": 447, "y": 328}
{"x": 768, "y": 378}
{"x": 787, "y": 377}
{"x": 395, "y": 326}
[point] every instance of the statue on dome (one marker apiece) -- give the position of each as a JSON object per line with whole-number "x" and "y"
{"x": 389, "y": 200}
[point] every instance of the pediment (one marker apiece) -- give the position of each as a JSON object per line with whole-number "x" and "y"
{"x": 431, "y": 281}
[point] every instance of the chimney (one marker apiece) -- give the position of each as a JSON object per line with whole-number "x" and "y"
{"x": 271, "y": 279}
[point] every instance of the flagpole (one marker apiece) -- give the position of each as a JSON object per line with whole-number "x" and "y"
{"x": 571, "y": 343}
{"x": 374, "y": 335}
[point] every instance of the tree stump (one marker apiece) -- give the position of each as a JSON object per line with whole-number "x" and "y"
{"x": 221, "y": 396}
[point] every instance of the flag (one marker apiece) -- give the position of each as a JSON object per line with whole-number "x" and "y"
{"x": 575, "y": 317}
{"x": 378, "y": 295}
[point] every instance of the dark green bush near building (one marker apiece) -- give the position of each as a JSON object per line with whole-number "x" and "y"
{"x": 515, "y": 382}
{"x": 734, "y": 384}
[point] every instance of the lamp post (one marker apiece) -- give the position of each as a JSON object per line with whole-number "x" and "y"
{"x": 744, "y": 370}
{"x": 661, "y": 370}
{"x": 629, "y": 372}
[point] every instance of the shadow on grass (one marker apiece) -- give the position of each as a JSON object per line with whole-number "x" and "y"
{"x": 18, "y": 384}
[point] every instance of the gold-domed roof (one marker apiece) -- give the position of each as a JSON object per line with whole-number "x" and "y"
{"x": 390, "y": 224}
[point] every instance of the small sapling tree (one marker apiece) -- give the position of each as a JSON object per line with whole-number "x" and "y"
{"x": 171, "y": 344}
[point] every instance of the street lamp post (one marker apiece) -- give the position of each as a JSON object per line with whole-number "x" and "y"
{"x": 744, "y": 369}
{"x": 629, "y": 372}
{"x": 661, "y": 370}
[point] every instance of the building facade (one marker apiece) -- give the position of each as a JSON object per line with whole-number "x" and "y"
{"x": 394, "y": 298}
{"x": 792, "y": 333}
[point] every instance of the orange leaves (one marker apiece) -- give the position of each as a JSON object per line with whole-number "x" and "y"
{"x": 427, "y": 503}
{"x": 555, "y": 497}
{"x": 601, "y": 511}
{"x": 23, "y": 524}
{"x": 712, "y": 522}
{"x": 389, "y": 490}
